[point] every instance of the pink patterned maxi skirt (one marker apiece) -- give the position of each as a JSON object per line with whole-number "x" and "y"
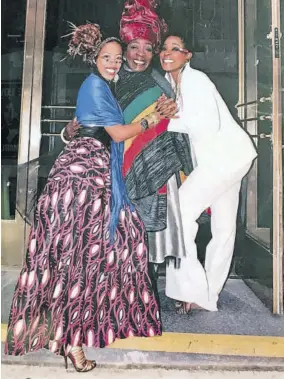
{"x": 75, "y": 288}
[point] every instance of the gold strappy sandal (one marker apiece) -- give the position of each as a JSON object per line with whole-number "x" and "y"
{"x": 78, "y": 358}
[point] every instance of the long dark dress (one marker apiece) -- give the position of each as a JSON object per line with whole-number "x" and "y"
{"x": 75, "y": 286}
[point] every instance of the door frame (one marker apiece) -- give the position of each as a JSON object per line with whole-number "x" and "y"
{"x": 247, "y": 112}
{"x": 14, "y": 232}
{"x": 278, "y": 246}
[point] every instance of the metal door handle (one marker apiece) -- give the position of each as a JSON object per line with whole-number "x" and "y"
{"x": 263, "y": 135}
{"x": 265, "y": 117}
{"x": 264, "y": 99}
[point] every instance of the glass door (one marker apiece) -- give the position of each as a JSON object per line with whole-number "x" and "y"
{"x": 49, "y": 86}
{"x": 18, "y": 25}
{"x": 260, "y": 110}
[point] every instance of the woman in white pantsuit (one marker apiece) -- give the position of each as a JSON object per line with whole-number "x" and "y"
{"x": 223, "y": 153}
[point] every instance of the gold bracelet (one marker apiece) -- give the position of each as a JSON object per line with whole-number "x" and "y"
{"x": 152, "y": 119}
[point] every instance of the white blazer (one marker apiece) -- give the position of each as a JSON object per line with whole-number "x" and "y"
{"x": 219, "y": 143}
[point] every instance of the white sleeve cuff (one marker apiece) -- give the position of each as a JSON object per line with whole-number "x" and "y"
{"x": 177, "y": 125}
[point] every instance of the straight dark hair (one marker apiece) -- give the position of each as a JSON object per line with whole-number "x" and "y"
{"x": 186, "y": 40}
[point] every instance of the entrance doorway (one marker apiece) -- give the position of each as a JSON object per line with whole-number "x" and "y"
{"x": 235, "y": 52}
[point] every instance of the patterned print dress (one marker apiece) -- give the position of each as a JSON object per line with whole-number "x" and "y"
{"x": 75, "y": 287}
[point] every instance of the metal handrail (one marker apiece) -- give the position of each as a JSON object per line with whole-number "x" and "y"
{"x": 59, "y": 106}
{"x": 54, "y": 120}
{"x": 244, "y": 104}
{"x": 51, "y": 134}
{"x": 260, "y": 100}
{"x": 249, "y": 119}
{"x": 260, "y": 118}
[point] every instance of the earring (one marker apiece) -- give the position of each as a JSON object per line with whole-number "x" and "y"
{"x": 116, "y": 78}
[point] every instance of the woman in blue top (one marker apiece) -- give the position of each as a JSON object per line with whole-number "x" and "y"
{"x": 85, "y": 278}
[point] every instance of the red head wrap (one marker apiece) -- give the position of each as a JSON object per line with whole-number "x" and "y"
{"x": 139, "y": 20}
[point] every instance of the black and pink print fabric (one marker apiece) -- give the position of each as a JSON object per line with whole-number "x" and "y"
{"x": 75, "y": 287}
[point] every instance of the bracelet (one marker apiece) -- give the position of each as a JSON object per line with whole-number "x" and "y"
{"x": 152, "y": 119}
{"x": 62, "y": 136}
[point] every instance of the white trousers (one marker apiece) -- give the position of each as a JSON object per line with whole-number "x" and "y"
{"x": 220, "y": 191}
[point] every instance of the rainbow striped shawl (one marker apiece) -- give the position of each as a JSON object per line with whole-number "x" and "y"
{"x": 151, "y": 158}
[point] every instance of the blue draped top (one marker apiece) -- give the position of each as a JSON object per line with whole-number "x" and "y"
{"x": 96, "y": 106}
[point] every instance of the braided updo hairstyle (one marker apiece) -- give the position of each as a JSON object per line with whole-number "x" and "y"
{"x": 86, "y": 41}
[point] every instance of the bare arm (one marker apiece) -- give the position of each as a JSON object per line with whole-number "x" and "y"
{"x": 117, "y": 132}
{"x": 166, "y": 108}
{"x": 121, "y": 133}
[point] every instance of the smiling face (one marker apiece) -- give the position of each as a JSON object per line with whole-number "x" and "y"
{"x": 109, "y": 60}
{"x": 139, "y": 54}
{"x": 174, "y": 55}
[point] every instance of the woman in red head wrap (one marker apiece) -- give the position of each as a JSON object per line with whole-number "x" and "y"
{"x": 141, "y": 30}
{"x": 151, "y": 163}
{"x": 139, "y": 20}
